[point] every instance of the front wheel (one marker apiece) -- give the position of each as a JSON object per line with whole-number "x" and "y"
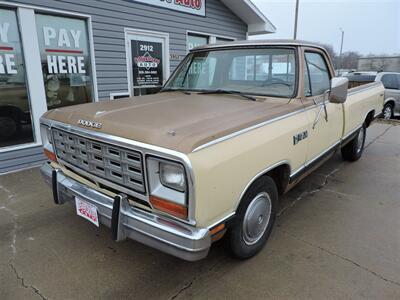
{"x": 387, "y": 112}
{"x": 355, "y": 148}
{"x": 255, "y": 219}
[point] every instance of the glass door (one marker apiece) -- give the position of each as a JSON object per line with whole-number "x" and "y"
{"x": 148, "y": 62}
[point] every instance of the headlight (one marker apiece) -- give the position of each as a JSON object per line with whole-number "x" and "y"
{"x": 167, "y": 186}
{"x": 172, "y": 176}
{"x": 47, "y": 142}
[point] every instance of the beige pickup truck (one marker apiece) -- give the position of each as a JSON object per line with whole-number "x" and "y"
{"x": 236, "y": 126}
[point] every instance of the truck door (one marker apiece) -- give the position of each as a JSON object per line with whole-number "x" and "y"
{"x": 325, "y": 119}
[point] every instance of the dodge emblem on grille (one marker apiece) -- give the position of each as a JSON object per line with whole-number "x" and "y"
{"x": 90, "y": 124}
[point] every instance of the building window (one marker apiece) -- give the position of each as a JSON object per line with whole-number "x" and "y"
{"x": 223, "y": 40}
{"x": 65, "y": 58}
{"x": 195, "y": 40}
{"x": 198, "y": 39}
{"x": 15, "y": 111}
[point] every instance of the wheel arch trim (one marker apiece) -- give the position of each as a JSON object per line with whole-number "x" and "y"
{"x": 390, "y": 99}
{"x": 259, "y": 175}
{"x": 369, "y": 113}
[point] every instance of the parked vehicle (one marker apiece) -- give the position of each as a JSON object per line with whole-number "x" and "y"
{"x": 14, "y": 104}
{"x": 391, "y": 82}
{"x": 236, "y": 126}
{"x": 14, "y": 110}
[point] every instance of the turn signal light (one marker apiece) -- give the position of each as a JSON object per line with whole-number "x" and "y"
{"x": 50, "y": 155}
{"x": 169, "y": 207}
{"x": 217, "y": 229}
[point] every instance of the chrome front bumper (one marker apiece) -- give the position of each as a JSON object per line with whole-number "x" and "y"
{"x": 172, "y": 237}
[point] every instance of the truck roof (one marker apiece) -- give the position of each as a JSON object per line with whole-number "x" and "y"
{"x": 270, "y": 42}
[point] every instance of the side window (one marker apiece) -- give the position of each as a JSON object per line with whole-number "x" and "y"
{"x": 318, "y": 73}
{"x": 390, "y": 81}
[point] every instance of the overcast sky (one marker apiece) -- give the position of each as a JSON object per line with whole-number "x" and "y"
{"x": 371, "y": 26}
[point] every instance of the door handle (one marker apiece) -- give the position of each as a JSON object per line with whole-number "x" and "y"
{"x": 326, "y": 111}
{"x": 317, "y": 118}
{"x": 322, "y": 107}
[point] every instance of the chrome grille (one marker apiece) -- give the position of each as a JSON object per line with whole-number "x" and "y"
{"x": 120, "y": 166}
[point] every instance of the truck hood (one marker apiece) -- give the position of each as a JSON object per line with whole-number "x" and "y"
{"x": 175, "y": 120}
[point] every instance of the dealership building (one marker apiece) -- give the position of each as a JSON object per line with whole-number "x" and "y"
{"x": 61, "y": 53}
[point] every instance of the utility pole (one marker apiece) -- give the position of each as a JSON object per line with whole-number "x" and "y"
{"x": 296, "y": 17}
{"x": 341, "y": 51}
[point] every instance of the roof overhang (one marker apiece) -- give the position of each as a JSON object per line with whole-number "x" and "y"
{"x": 256, "y": 21}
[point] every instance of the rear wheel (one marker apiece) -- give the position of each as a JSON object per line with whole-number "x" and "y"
{"x": 387, "y": 112}
{"x": 255, "y": 219}
{"x": 355, "y": 148}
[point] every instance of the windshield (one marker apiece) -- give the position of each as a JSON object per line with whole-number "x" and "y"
{"x": 257, "y": 71}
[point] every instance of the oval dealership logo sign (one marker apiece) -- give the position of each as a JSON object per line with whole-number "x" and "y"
{"x": 195, "y": 7}
{"x": 91, "y": 124}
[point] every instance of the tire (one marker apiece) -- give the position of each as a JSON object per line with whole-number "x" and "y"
{"x": 388, "y": 111}
{"x": 9, "y": 126}
{"x": 254, "y": 219}
{"x": 355, "y": 148}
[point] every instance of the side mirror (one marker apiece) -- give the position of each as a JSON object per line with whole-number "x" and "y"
{"x": 339, "y": 87}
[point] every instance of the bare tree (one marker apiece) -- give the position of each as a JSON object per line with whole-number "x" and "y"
{"x": 332, "y": 54}
{"x": 350, "y": 60}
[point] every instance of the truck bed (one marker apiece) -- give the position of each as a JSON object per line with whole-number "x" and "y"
{"x": 362, "y": 99}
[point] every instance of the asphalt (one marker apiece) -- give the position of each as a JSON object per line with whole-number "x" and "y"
{"x": 337, "y": 237}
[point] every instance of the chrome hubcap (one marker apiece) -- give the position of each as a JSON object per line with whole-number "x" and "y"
{"x": 360, "y": 140}
{"x": 387, "y": 113}
{"x": 256, "y": 219}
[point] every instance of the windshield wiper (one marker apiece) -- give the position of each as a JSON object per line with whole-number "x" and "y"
{"x": 175, "y": 90}
{"x": 232, "y": 92}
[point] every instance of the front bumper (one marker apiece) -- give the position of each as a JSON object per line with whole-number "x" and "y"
{"x": 169, "y": 236}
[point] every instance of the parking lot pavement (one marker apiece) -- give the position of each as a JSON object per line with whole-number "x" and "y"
{"x": 337, "y": 237}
